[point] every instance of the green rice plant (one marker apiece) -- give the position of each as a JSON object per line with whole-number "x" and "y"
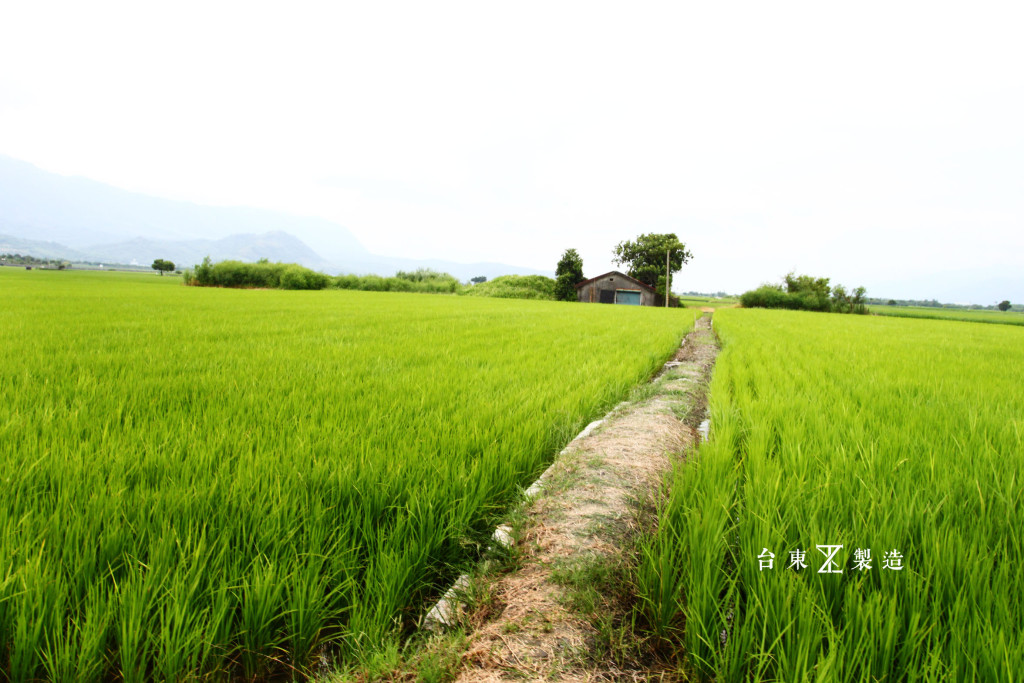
{"x": 35, "y": 617}
{"x": 715, "y": 302}
{"x": 78, "y": 651}
{"x": 962, "y": 314}
{"x": 894, "y": 436}
{"x": 262, "y": 616}
{"x": 213, "y": 483}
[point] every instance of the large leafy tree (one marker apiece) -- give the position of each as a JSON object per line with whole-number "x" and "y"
{"x": 644, "y": 257}
{"x": 162, "y": 266}
{"x": 568, "y": 272}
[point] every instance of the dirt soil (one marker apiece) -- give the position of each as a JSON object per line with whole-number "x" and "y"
{"x": 590, "y": 506}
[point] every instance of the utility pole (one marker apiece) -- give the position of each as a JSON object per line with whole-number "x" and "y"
{"x": 668, "y": 275}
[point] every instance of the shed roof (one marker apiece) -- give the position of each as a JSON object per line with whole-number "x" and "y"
{"x": 622, "y": 275}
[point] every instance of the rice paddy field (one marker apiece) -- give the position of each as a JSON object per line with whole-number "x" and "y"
{"x": 702, "y": 301}
{"x": 213, "y": 483}
{"x": 966, "y": 315}
{"x": 857, "y": 513}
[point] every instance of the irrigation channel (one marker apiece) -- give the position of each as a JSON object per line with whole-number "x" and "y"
{"x": 580, "y": 517}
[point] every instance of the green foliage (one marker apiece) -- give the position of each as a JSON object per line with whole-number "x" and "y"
{"x": 1003, "y": 305}
{"x": 422, "y": 275}
{"x": 842, "y": 302}
{"x": 806, "y": 293}
{"x": 424, "y": 281}
{"x": 870, "y": 432}
{"x": 812, "y": 292}
{"x": 645, "y": 257}
{"x": 27, "y": 260}
{"x": 328, "y": 464}
{"x": 298, "y": 277}
{"x": 515, "y": 287}
{"x": 162, "y": 266}
{"x": 262, "y": 274}
{"x": 568, "y": 273}
{"x": 770, "y": 296}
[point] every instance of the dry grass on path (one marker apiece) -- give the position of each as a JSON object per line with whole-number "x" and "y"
{"x": 558, "y": 617}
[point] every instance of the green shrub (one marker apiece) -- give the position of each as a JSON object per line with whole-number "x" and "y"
{"x": 260, "y": 274}
{"x": 293, "y": 278}
{"x": 515, "y": 287}
{"x": 423, "y": 280}
{"x": 397, "y": 284}
{"x": 347, "y": 282}
{"x": 372, "y": 283}
{"x": 297, "y": 277}
{"x": 421, "y": 275}
{"x": 806, "y": 293}
{"x": 769, "y": 296}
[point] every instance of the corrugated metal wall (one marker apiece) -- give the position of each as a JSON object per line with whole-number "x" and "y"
{"x": 603, "y": 290}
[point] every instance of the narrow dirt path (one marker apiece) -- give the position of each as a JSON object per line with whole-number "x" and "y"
{"x": 591, "y": 505}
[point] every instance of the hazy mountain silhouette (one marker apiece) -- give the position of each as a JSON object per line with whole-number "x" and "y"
{"x": 54, "y": 216}
{"x": 82, "y": 213}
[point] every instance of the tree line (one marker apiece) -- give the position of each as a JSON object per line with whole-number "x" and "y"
{"x": 26, "y": 260}
{"x": 806, "y": 293}
{"x": 645, "y": 260}
{"x": 264, "y": 274}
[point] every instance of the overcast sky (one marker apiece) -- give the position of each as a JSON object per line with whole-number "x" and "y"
{"x": 877, "y": 143}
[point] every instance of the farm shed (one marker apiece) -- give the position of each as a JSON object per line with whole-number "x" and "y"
{"x": 615, "y": 288}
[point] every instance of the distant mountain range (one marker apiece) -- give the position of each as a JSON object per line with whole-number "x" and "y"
{"x": 53, "y": 216}
{"x": 184, "y": 253}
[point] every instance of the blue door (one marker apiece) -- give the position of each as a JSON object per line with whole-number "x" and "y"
{"x": 630, "y": 297}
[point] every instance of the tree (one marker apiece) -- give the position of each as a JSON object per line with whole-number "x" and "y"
{"x": 568, "y": 273}
{"x": 645, "y": 258}
{"x": 162, "y": 266}
{"x": 814, "y": 292}
{"x": 803, "y": 292}
{"x": 479, "y": 279}
{"x": 1003, "y": 305}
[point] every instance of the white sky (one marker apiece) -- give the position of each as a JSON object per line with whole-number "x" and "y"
{"x": 872, "y": 142}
